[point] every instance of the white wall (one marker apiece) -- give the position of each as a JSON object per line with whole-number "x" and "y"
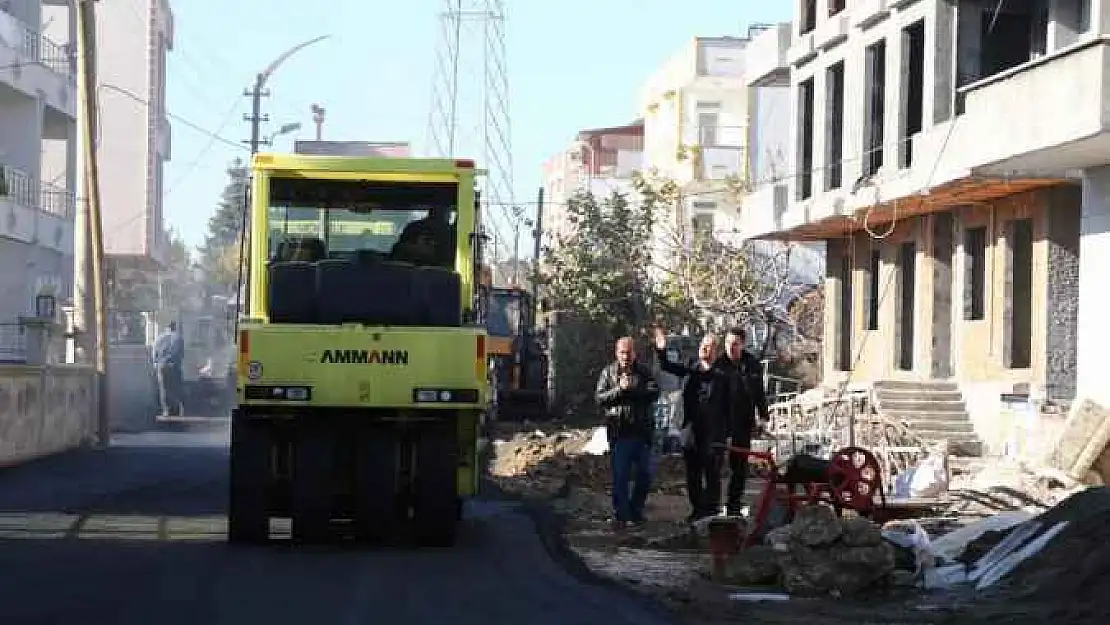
{"x": 1094, "y": 297}
{"x": 769, "y": 146}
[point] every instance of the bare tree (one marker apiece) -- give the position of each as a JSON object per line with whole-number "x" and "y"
{"x": 723, "y": 280}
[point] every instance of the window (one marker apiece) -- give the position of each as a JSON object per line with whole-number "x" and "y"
{"x": 873, "y": 277}
{"x": 707, "y": 129}
{"x": 805, "y": 139}
{"x": 836, "y": 6}
{"x": 844, "y": 358}
{"x": 1019, "y": 351}
{"x": 834, "y": 131}
{"x": 876, "y": 107}
{"x": 702, "y": 225}
{"x": 913, "y": 88}
{"x": 503, "y": 316}
{"x": 975, "y": 272}
{"x": 907, "y": 310}
{"x": 352, "y": 220}
{"x": 807, "y": 20}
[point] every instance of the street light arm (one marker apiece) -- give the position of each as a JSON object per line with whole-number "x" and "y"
{"x": 265, "y": 74}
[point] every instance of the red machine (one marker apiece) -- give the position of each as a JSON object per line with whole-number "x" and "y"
{"x": 850, "y": 480}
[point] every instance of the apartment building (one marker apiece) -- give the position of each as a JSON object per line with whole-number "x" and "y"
{"x": 600, "y": 160}
{"x": 696, "y": 123}
{"x": 38, "y": 156}
{"x": 769, "y": 157}
{"x": 953, "y": 156}
{"x": 134, "y": 38}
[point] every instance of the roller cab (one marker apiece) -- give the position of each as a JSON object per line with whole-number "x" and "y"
{"x": 362, "y": 360}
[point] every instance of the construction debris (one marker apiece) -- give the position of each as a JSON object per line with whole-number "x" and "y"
{"x": 567, "y": 464}
{"x": 818, "y": 554}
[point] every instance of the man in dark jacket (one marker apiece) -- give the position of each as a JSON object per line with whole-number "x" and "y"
{"x": 706, "y": 392}
{"x": 749, "y": 402}
{"x": 627, "y": 392}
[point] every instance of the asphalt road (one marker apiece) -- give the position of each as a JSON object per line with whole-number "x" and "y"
{"x": 135, "y": 534}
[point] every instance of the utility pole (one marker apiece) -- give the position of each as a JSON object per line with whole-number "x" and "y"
{"x": 318, "y": 113}
{"x": 256, "y": 117}
{"x": 537, "y": 250}
{"x": 516, "y": 252}
{"x": 256, "y": 93}
{"x": 86, "y": 69}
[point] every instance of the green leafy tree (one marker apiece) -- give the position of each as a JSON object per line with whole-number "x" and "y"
{"x": 600, "y": 269}
{"x": 220, "y": 253}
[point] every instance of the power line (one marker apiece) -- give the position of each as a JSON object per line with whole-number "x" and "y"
{"x": 191, "y": 124}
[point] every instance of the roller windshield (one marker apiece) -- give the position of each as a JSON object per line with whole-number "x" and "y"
{"x": 313, "y": 219}
{"x": 375, "y": 253}
{"x": 503, "y": 317}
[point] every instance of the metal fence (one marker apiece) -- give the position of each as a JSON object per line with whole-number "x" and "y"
{"x": 13, "y": 343}
{"x": 30, "y": 193}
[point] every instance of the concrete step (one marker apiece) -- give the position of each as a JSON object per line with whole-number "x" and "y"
{"x": 936, "y": 434}
{"x": 955, "y": 427}
{"x": 921, "y": 405}
{"x": 917, "y": 395}
{"x": 929, "y": 416}
{"x": 934, "y": 385}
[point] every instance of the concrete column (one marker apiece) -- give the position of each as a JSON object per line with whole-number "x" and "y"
{"x": 940, "y": 63}
{"x": 1094, "y": 297}
{"x": 1063, "y": 207}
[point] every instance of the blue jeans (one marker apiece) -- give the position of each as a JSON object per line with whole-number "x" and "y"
{"x": 631, "y": 463}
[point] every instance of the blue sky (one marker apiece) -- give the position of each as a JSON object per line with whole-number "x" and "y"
{"x": 573, "y": 64}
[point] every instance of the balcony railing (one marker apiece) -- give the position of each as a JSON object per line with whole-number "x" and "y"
{"x": 27, "y": 192}
{"x": 38, "y": 48}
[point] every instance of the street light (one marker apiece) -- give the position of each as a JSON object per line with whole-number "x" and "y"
{"x": 260, "y": 83}
{"x": 256, "y": 121}
{"x": 284, "y": 130}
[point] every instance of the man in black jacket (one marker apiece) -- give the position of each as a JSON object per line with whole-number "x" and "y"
{"x": 749, "y": 402}
{"x": 706, "y": 391}
{"x": 626, "y": 392}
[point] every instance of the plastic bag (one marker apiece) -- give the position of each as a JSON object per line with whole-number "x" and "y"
{"x": 930, "y": 476}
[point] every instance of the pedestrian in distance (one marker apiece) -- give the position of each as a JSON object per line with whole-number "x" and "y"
{"x": 626, "y": 393}
{"x": 706, "y": 392}
{"x": 748, "y": 413}
{"x": 169, "y": 357}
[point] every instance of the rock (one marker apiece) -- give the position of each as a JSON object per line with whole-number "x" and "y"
{"x": 755, "y": 566}
{"x": 860, "y": 532}
{"x": 816, "y": 525}
{"x": 779, "y": 538}
{"x": 878, "y": 558}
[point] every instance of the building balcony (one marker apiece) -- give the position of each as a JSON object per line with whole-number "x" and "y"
{"x": 766, "y": 57}
{"x": 719, "y": 163}
{"x": 763, "y": 210}
{"x": 36, "y": 212}
{"x": 32, "y": 64}
{"x": 1055, "y": 118}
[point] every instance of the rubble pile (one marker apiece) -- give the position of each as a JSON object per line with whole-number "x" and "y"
{"x": 1073, "y": 562}
{"x": 818, "y": 554}
{"x": 556, "y": 465}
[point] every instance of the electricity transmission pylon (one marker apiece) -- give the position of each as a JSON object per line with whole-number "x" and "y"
{"x": 469, "y": 116}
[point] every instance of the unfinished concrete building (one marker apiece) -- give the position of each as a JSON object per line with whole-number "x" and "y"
{"x": 953, "y": 155}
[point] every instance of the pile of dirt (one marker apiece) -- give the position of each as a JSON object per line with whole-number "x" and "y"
{"x": 818, "y": 555}
{"x": 545, "y": 465}
{"x": 1076, "y": 562}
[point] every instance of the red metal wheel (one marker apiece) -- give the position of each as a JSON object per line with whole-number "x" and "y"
{"x": 855, "y": 478}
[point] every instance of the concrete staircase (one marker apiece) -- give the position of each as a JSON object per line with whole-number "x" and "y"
{"x": 934, "y": 410}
